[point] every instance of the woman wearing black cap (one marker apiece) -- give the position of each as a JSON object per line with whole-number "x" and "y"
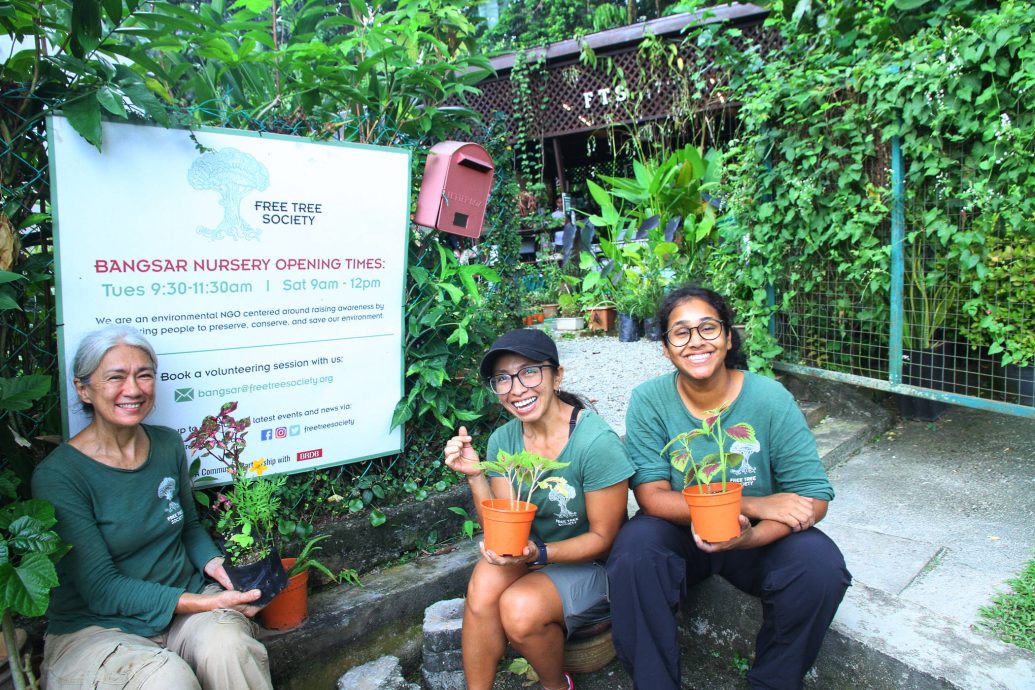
{"x": 558, "y": 584}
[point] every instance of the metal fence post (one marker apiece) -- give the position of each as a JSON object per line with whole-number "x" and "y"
{"x": 898, "y": 266}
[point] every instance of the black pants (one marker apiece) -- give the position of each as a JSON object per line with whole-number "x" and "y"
{"x": 800, "y": 579}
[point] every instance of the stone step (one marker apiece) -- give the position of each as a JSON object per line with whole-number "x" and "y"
{"x": 348, "y": 626}
{"x": 877, "y": 641}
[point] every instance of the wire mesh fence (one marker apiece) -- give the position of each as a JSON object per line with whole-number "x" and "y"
{"x": 959, "y": 329}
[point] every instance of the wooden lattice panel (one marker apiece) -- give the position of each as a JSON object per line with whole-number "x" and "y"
{"x": 571, "y": 97}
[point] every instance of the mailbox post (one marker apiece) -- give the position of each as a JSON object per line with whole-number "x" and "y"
{"x": 455, "y": 188}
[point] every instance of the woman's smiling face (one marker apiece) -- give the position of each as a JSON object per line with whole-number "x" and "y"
{"x": 699, "y": 359}
{"x": 527, "y": 403}
{"x": 122, "y": 389}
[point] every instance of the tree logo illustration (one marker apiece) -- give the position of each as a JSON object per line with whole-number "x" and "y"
{"x": 231, "y": 174}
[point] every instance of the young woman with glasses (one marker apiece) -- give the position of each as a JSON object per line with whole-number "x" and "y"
{"x": 558, "y": 584}
{"x": 796, "y": 570}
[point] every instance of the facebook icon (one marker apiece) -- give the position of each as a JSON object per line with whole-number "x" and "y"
{"x": 266, "y": 435}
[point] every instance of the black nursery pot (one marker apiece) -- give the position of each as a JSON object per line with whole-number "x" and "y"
{"x": 652, "y": 328}
{"x": 628, "y": 329}
{"x": 267, "y": 575}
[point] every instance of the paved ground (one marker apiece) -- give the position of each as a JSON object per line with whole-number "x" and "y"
{"x": 940, "y": 513}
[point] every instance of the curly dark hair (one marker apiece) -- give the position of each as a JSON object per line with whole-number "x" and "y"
{"x": 734, "y": 356}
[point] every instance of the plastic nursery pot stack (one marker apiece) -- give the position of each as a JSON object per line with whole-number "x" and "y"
{"x": 507, "y": 525}
{"x": 289, "y": 608}
{"x": 714, "y": 512}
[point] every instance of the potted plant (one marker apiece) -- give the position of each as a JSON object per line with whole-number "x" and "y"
{"x": 246, "y": 513}
{"x": 714, "y": 505}
{"x": 507, "y": 522}
{"x": 627, "y": 304}
{"x": 291, "y": 606}
{"x": 928, "y": 359}
{"x": 597, "y": 295}
{"x": 30, "y": 548}
{"x": 570, "y": 318}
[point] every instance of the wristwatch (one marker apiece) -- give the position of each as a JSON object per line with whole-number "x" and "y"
{"x": 541, "y": 547}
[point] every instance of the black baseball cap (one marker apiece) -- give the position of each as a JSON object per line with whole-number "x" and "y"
{"x": 527, "y": 342}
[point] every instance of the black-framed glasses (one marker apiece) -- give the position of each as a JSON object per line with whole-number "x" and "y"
{"x": 679, "y": 335}
{"x": 530, "y": 377}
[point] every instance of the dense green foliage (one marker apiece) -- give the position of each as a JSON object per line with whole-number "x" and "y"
{"x": 809, "y": 185}
{"x": 528, "y": 23}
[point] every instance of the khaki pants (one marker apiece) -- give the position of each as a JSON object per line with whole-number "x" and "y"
{"x": 214, "y": 650}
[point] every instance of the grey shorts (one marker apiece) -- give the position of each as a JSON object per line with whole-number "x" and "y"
{"x": 583, "y": 590}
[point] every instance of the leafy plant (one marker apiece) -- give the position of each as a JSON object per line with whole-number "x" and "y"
{"x": 29, "y": 548}
{"x": 444, "y": 311}
{"x": 522, "y": 469}
{"x": 1003, "y": 312}
{"x": 469, "y": 525}
{"x": 930, "y": 296}
{"x": 1011, "y": 617}
{"x": 306, "y": 559}
{"x": 247, "y": 513}
{"x": 704, "y": 472}
{"x": 520, "y": 667}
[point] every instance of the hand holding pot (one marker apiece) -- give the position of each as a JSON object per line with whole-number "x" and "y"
{"x": 460, "y": 454}
{"x": 214, "y": 569}
{"x": 528, "y": 554}
{"x": 791, "y": 509}
{"x": 735, "y": 543}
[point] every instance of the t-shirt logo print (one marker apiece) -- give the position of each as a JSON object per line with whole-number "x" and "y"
{"x": 747, "y": 448}
{"x": 560, "y": 493}
{"x": 167, "y": 490}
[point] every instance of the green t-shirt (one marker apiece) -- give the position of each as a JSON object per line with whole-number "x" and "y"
{"x": 597, "y": 460}
{"x": 136, "y": 541}
{"x": 782, "y": 457}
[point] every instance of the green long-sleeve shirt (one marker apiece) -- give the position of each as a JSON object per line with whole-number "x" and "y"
{"x": 136, "y": 541}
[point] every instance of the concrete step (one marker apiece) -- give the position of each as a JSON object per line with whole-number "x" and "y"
{"x": 877, "y": 641}
{"x": 348, "y": 626}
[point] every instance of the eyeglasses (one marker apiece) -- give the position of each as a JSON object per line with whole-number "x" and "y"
{"x": 530, "y": 377}
{"x": 680, "y": 335}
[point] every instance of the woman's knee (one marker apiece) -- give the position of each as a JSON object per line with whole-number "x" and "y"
{"x": 484, "y": 590}
{"x": 812, "y": 564}
{"x": 523, "y": 614}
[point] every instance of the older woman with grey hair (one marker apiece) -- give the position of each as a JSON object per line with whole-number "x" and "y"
{"x": 134, "y": 608}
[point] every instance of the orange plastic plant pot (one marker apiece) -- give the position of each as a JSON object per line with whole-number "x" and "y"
{"x": 507, "y": 525}
{"x": 714, "y": 512}
{"x": 289, "y": 608}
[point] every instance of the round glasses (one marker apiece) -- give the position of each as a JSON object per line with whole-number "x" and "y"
{"x": 530, "y": 377}
{"x": 680, "y": 335}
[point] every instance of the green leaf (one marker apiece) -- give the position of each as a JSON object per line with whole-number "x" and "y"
{"x": 377, "y": 518}
{"x": 19, "y": 393}
{"x": 111, "y": 101}
{"x": 26, "y": 589}
{"x": 84, "y": 114}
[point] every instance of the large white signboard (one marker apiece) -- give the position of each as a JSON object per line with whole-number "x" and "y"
{"x": 263, "y": 269}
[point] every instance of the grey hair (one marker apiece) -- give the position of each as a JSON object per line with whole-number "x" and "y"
{"x": 96, "y": 344}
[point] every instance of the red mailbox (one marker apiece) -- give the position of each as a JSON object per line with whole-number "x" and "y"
{"x": 455, "y": 188}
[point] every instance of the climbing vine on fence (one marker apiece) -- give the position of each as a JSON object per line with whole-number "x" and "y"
{"x": 809, "y": 174}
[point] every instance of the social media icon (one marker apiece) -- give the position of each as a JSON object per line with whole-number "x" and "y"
{"x": 295, "y": 429}
{"x": 281, "y": 432}
{"x": 266, "y": 435}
